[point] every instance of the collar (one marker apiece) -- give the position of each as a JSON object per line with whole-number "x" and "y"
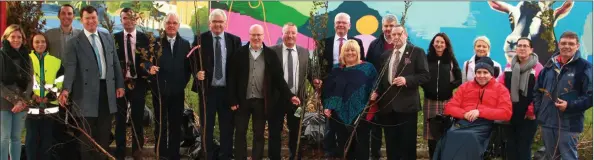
{"x": 386, "y": 40}
{"x": 87, "y": 33}
{"x": 294, "y": 47}
{"x": 170, "y": 38}
{"x": 336, "y": 37}
{"x": 251, "y": 49}
{"x": 222, "y": 35}
{"x": 133, "y": 33}
{"x": 401, "y": 49}
{"x": 71, "y": 30}
{"x": 36, "y": 54}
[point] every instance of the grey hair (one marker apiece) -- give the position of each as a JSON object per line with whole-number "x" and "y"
{"x": 342, "y": 14}
{"x": 217, "y": 12}
{"x": 389, "y": 18}
{"x": 288, "y": 24}
{"x": 170, "y": 14}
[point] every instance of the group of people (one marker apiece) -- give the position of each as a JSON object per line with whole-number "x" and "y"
{"x": 72, "y": 78}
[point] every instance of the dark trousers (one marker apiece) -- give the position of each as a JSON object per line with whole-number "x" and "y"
{"x": 39, "y": 137}
{"x": 216, "y": 103}
{"x": 330, "y": 139}
{"x": 359, "y": 148}
{"x": 253, "y": 107}
{"x": 275, "y": 126}
{"x": 98, "y": 127}
{"x": 432, "y": 144}
{"x": 401, "y": 135}
{"x": 520, "y": 135}
{"x": 65, "y": 145}
{"x": 168, "y": 109}
{"x": 376, "y": 140}
{"x": 136, "y": 98}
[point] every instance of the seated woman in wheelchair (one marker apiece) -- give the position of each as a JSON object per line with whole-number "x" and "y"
{"x": 475, "y": 106}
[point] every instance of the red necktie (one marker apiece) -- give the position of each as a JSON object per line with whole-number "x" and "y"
{"x": 340, "y": 47}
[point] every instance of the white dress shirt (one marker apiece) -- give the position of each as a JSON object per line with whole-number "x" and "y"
{"x": 99, "y": 48}
{"x": 133, "y": 48}
{"x": 295, "y": 57}
{"x": 171, "y": 41}
{"x": 336, "y": 49}
{"x": 392, "y": 59}
{"x": 255, "y": 53}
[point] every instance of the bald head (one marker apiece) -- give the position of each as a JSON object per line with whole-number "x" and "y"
{"x": 256, "y": 35}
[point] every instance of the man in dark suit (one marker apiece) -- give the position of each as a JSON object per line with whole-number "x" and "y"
{"x": 216, "y": 46}
{"x": 255, "y": 84}
{"x": 376, "y": 49}
{"x": 129, "y": 41}
{"x": 294, "y": 60}
{"x": 342, "y": 24}
{"x": 93, "y": 75}
{"x": 168, "y": 86}
{"x": 406, "y": 69}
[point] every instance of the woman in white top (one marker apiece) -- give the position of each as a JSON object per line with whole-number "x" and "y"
{"x": 482, "y": 48}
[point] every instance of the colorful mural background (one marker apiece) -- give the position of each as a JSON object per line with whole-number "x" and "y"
{"x": 461, "y": 20}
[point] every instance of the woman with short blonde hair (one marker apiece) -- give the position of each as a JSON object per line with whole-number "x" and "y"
{"x": 345, "y": 94}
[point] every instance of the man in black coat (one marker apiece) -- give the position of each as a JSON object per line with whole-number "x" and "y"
{"x": 376, "y": 49}
{"x": 255, "y": 82}
{"x": 129, "y": 41}
{"x": 342, "y": 24}
{"x": 406, "y": 69}
{"x": 216, "y": 48}
{"x": 168, "y": 86}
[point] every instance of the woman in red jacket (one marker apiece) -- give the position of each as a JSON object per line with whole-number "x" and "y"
{"x": 475, "y": 105}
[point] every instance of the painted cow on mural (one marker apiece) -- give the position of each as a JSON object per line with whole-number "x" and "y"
{"x": 525, "y": 22}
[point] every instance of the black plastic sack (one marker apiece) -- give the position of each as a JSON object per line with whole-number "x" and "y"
{"x": 439, "y": 124}
{"x": 313, "y": 125}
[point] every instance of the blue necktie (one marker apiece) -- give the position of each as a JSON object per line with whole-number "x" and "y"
{"x": 96, "y": 49}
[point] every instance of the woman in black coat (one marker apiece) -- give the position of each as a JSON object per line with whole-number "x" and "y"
{"x": 445, "y": 77}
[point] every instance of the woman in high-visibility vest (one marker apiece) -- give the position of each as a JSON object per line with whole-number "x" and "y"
{"x": 47, "y": 80}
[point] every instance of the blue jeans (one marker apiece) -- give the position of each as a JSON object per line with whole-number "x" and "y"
{"x": 565, "y": 149}
{"x": 10, "y": 138}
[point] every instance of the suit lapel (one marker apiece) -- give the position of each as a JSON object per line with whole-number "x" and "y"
{"x": 106, "y": 48}
{"x": 303, "y": 57}
{"x": 404, "y": 59}
{"x": 209, "y": 51}
{"x": 86, "y": 46}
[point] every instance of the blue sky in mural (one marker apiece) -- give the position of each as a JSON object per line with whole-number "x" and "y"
{"x": 465, "y": 21}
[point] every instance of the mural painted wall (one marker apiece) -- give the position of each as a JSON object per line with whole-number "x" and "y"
{"x": 463, "y": 21}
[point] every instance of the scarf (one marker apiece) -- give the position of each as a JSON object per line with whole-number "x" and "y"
{"x": 520, "y": 76}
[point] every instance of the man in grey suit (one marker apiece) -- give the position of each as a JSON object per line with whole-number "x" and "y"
{"x": 92, "y": 74}
{"x": 59, "y": 36}
{"x": 294, "y": 60}
{"x": 64, "y": 144}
